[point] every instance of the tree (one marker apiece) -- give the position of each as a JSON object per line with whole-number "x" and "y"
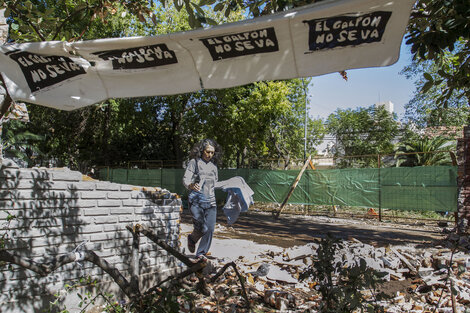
{"x": 423, "y": 110}
{"x": 117, "y": 130}
{"x": 256, "y": 122}
{"x": 437, "y": 28}
{"x": 19, "y": 142}
{"x": 70, "y": 20}
{"x": 164, "y": 128}
{"x": 363, "y": 131}
{"x": 421, "y": 150}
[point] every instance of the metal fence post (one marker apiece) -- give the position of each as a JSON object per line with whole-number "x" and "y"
{"x": 161, "y": 173}
{"x": 380, "y": 188}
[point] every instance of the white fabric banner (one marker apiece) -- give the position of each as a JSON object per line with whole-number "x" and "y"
{"x": 322, "y": 38}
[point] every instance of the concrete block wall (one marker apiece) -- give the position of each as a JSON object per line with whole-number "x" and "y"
{"x": 57, "y": 209}
{"x": 3, "y": 27}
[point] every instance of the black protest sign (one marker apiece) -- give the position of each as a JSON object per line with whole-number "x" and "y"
{"x": 239, "y": 44}
{"x": 346, "y": 30}
{"x": 139, "y": 57}
{"x": 41, "y": 71}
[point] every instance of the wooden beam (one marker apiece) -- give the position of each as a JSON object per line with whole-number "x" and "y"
{"x": 7, "y": 102}
{"x": 296, "y": 181}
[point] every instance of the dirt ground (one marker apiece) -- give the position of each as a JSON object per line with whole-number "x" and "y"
{"x": 293, "y": 230}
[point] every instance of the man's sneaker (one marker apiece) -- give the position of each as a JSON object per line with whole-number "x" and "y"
{"x": 191, "y": 244}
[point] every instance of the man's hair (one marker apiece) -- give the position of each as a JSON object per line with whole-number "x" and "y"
{"x": 198, "y": 148}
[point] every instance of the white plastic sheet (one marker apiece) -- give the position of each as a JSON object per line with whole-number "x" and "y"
{"x": 321, "y": 38}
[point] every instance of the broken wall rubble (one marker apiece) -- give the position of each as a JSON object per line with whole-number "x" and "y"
{"x": 418, "y": 277}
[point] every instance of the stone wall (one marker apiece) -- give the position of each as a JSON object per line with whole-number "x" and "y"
{"x": 463, "y": 160}
{"x": 58, "y": 209}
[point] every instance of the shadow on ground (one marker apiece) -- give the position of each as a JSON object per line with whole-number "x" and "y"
{"x": 288, "y": 230}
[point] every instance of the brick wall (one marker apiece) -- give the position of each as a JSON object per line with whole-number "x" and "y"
{"x": 3, "y": 38}
{"x": 57, "y": 209}
{"x": 463, "y": 159}
{"x": 3, "y": 27}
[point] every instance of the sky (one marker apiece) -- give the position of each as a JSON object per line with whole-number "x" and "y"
{"x": 363, "y": 88}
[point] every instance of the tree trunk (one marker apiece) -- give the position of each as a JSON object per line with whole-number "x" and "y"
{"x": 105, "y": 138}
{"x": 463, "y": 182}
{"x": 176, "y": 137}
{"x": 52, "y": 264}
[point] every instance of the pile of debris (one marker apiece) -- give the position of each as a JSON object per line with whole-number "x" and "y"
{"x": 416, "y": 279}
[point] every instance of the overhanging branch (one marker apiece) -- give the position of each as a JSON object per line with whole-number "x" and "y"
{"x": 144, "y": 229}
{"x": 131, "y": 289}
{"x": 48, "y": 266}
{"x": 7, "y": 102}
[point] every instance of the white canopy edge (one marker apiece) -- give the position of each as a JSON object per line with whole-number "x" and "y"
{"x": 309, "y": 41}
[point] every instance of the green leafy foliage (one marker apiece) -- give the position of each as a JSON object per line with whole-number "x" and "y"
{"x": 259, "y": 121}
{"x": 340, "y": 284}
{"x": 362, "y": 132}
{"x": 437, "y": 29}
{"x": 83, "y": 288}
{"x": 424, "y": 151}
{"x": 425, "y": 109}
{"x": 66, "y": 19}
{"x": 71, "y": 20}
{"x": 262, "y": 120}
{"x": 89, "y": 293}
{"x": 20, "y": 143}
{"x": 5, "y": 237}
{"x": 165, "y": 300}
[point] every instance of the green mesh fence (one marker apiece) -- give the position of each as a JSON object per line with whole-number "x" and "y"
{"x": 432, "y": 188}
